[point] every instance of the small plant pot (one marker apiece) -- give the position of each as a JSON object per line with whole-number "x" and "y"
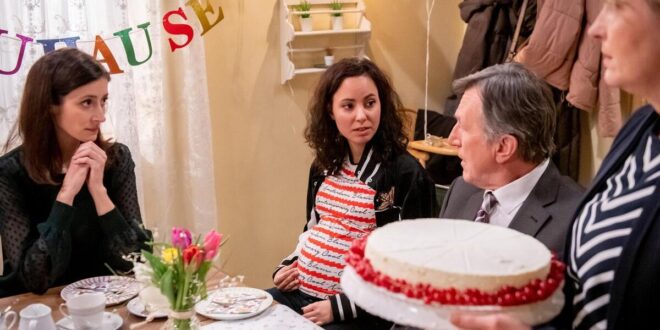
{"x": 306, "y": 24}
{"x": 328, "y": 60}
{"x": 337, "y": 23}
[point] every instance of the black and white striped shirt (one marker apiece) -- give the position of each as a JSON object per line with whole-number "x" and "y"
{"x": 602, "y": 229}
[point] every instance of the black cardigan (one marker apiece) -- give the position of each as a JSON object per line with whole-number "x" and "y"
{"x": 47, "y": 243}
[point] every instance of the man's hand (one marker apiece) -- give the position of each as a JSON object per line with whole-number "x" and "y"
{"x": 319, "y": 312}
{"x": 286, "y": 279}
{"x": 468, "y": 321}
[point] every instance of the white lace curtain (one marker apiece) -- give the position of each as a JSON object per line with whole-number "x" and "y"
{"x": 159, "y": 109}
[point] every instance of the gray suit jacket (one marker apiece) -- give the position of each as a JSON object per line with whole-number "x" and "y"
{"x": 546, "y": 214}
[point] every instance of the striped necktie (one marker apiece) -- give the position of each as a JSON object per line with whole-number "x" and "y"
{"x": 486, "y": 208}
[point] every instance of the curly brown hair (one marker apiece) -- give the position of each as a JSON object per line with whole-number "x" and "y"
{"x": 321, "y": 133}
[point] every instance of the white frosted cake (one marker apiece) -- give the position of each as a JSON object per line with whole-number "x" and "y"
{"x": 457, "y": 262}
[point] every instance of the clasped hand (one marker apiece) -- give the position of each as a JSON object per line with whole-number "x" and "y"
{"x": 286, "y": 280}
{"x": 86, "y": 166}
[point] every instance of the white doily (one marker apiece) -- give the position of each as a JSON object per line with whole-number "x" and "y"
{"x": 400, "y": 309}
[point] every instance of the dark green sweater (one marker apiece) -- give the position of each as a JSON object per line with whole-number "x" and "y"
{"x": 46, "y": 243}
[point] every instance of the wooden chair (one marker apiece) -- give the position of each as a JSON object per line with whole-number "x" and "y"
{"x": 409, "y": 126}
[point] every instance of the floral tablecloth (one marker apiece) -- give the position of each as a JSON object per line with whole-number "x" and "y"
{"x": 275, "y": 317}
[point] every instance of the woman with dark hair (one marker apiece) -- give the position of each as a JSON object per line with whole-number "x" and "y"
{"x": 68, "y": 201}
{"x": 362, "y": 178}
{"x": 612, "y": 251}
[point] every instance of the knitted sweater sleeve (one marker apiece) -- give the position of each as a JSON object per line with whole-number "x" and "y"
{"x": 123, "y": 230}
{"x": 36, "y": 257}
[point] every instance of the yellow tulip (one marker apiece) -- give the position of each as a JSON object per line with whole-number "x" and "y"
{"x": 169, "y": 255}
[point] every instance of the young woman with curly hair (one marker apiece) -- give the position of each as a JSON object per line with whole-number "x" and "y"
{"x": 362, "y": 178}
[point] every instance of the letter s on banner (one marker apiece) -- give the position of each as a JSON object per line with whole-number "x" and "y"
{"x": 172, "y": 28}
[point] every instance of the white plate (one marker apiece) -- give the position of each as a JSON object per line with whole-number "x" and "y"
{"x": 400, "y": 309}
{"x": 117, "y": 289}
{"x": 111, "y": 321}
{"x": 137, "y": 308}
{"x": 234, "y": 303}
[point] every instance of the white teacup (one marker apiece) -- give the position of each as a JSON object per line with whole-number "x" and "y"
{"x": 36, "y": 317}
{"x": 7, "y": 321}
{"x": 85, "y": 310}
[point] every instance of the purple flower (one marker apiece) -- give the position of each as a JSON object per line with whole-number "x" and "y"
{"x": 181, "y": 238}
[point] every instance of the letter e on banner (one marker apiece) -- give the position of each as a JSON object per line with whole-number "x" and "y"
{"x": 201, "y": 14}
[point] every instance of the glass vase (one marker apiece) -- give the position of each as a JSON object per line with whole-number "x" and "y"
{"x": 182, "y": 320}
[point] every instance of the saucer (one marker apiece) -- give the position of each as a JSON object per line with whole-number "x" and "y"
{"x": 136, "y": 307}
{"x": 111, "y": 321}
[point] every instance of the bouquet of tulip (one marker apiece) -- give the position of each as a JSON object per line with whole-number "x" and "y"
{"x": 179, "y": 269}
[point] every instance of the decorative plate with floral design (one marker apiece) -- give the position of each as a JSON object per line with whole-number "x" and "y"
{"x": 234, "y": 303}
{"x": 117, "y": 289}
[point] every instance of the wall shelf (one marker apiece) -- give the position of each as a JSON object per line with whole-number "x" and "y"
{"x": 301, "y": 52}
{"x": 329, "y": 32}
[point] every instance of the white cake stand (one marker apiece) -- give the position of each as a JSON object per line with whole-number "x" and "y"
{"x": 400, "y": 309}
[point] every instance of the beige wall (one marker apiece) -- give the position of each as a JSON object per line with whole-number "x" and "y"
{"x": 261, "y": 160}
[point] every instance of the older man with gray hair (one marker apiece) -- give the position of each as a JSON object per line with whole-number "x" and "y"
{"x": 504, "y": 134}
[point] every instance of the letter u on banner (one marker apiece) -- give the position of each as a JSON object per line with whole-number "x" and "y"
{"x": 128, "y": 44}
{"x": 24, "y": 41}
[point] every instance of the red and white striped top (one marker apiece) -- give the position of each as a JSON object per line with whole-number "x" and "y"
{"x": 346, "y": 212}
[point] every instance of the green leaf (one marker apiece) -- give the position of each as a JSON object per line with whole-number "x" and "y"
{"x": 203, "y": 269}
{"x": 156, "y": 264}
{"x": 167, "y": 287}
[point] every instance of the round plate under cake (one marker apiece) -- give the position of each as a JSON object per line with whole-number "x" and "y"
{"x": 473, "y": 259}
{"x": 398, "y": 308}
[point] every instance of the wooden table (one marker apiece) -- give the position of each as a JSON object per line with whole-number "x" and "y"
{"x": 420, "y": 149}
{"x": 53, "y": 300}
{"x": 442, "y": 149}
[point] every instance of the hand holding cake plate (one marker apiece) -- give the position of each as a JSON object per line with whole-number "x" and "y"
{"x": 419, "y": 272}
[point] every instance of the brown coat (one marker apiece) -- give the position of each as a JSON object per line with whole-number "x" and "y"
{"x": 560, "y": 51}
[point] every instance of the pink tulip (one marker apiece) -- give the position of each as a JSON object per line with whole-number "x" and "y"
{"x": 181, "y": 238}
{"x": 211, "y": 244}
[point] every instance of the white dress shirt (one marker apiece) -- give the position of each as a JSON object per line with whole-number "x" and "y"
{"x": 512, "y": 195}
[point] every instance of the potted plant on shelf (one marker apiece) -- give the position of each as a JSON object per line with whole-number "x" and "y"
{"x": 337, "y": 18}
{"x": 305, "y": 16}
{"x": 329, "y": 58}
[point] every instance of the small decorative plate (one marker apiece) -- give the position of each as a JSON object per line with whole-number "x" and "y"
{"x": 234, "y": 303}
{"x": 137, "y": 308}
{"x": 117, "y": 289}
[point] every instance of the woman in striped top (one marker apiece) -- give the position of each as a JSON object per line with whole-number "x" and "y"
{"x": 612, "y": 255}
{"x": 362, "y": 178}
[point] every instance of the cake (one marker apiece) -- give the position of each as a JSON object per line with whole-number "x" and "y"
{"x": 454, "y": 262}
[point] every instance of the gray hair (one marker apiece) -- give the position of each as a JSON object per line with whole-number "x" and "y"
{"x": 518, "y": 103}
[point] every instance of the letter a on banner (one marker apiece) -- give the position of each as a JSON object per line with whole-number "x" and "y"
{"x": 24, "y": 41}
{"x": 108, "y": 58}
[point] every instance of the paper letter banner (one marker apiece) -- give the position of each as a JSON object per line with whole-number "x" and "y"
{"x": 105, "y": 55}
